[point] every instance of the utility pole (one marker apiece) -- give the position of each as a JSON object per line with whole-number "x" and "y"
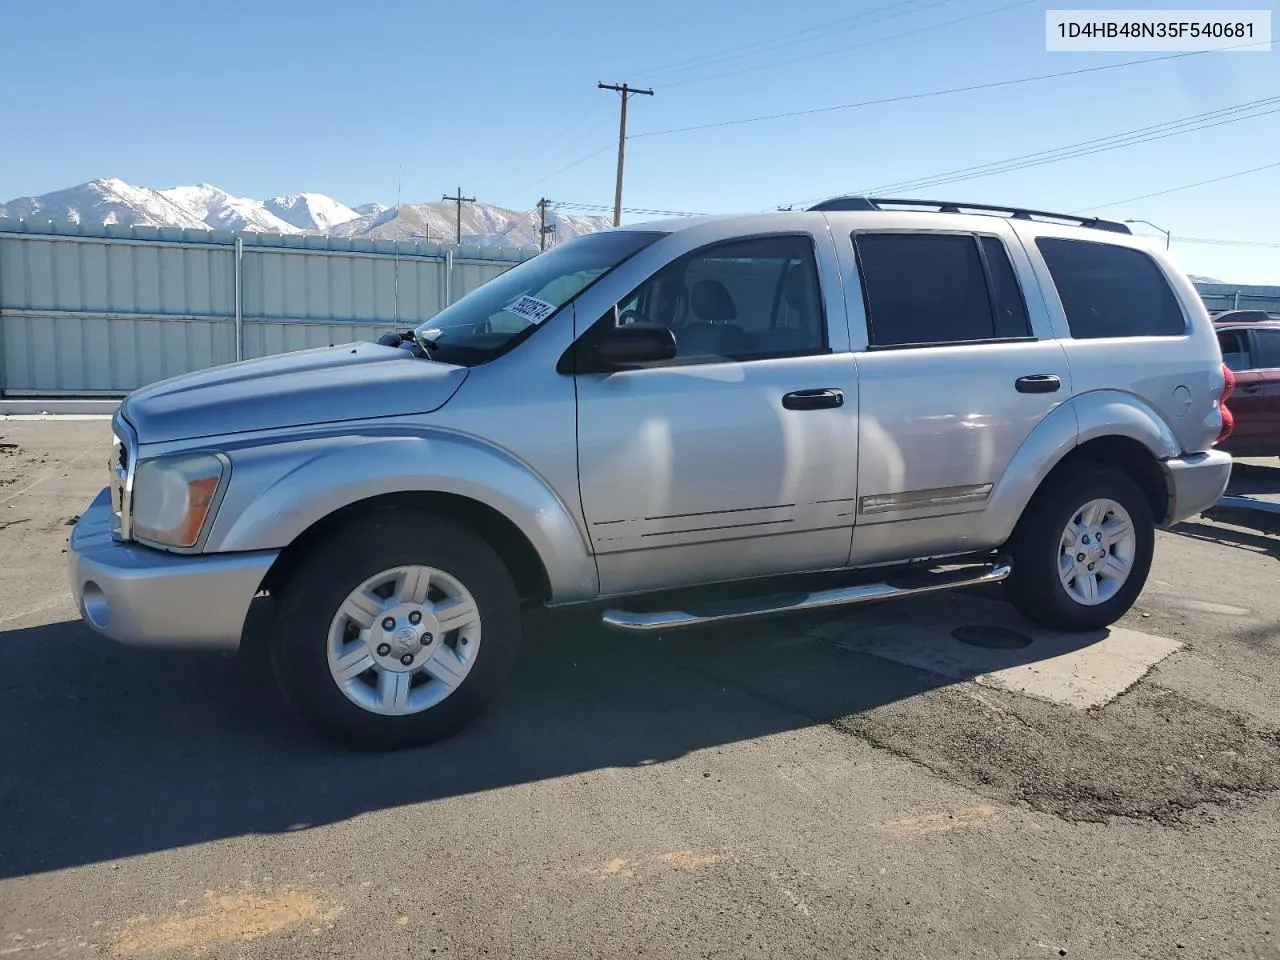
{"x": 627, "y": 93}
{"x": 543, "y": 228}
{"x": 459, "y": 200}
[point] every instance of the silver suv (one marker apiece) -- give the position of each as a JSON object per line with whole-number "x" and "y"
{"x": 869, "y": 386}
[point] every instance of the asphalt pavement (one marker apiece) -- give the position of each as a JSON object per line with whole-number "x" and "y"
{"x": 781, "y": 789}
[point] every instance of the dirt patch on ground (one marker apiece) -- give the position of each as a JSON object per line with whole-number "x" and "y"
{"x": 1153, "y": 754}
{"x": 231, "y": 918}
{"x": 939, "y": 822}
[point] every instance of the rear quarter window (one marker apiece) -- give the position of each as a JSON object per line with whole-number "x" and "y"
{"x": 1268, "y": 342}
{"x": 1111, "y": 291}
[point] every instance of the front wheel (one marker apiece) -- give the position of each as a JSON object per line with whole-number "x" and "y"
{"x": 396, "y": 631}
{"x": 1082, "y": 551}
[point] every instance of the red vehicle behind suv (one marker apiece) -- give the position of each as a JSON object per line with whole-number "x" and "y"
{"x": 1250, "y": 342}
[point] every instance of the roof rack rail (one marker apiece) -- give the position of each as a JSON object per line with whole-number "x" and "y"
{"x": 947, "y": 206}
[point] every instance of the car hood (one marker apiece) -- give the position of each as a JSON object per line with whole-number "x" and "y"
{"x": 350, "y": 382}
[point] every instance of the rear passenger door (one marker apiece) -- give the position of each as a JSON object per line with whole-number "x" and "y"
{"x": 1267, "y": 342}
{"x": 1126, "y": 328}
{"x": 1248, "y": 403}
{"x": 956, "y": 374}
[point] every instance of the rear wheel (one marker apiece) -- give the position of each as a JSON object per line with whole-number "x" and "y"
{"x": 396, "y": 631}
{"x": 1083, "y": 549}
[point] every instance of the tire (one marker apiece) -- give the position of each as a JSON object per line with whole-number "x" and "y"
{"x": 1049, "y": 583}
{"x": 456, "y": 671}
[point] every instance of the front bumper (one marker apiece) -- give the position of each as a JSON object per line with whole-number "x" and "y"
{"x": 145, "y": 597}
{"x": 1196, "y": 482}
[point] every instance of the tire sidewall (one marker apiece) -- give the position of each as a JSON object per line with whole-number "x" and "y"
{"x": 354, "y": 553}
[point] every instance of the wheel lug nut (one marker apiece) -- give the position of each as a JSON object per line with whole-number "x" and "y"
{"x": 1091, "y": 566}
{"x": 463, "y": 641}
{"x": 427, "y": 638}
{"x": 415, "y": 617}
{"x": 407, "y": 659}
{"x": 1079, "y": 558}
{"x": 388, "y": 623}
{"x": 1085, "y": 538}
{"x": 384, "y": 649}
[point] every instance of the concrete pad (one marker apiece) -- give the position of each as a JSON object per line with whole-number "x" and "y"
{"x": 1080, "y": 670}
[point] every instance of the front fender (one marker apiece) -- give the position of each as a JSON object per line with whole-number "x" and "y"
{"x": 278, "y": 490}
{"x": 1090, "y": 416}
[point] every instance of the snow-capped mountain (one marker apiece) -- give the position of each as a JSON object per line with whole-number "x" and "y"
{"x": 206, "y": 207}
{"x": 482, "y": 224}
{"x": 104, "y": 201}
{"x": 220, "y": 210}
{"x": 311, "y": 211}
{"x": 202, "y": 207}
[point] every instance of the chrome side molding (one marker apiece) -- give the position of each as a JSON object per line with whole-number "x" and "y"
{"x": 727, "y": 612}
{"x": 975, "y": 494}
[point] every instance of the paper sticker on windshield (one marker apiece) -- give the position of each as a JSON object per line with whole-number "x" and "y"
{"x": 531, "y": 308}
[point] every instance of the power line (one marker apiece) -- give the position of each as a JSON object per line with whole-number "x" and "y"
{"x": 766, "y": 43}
{"x": 1216, "y": 241}
{"x": 819, "y": 31}
{"x": 1225, "y": 243}
{"x": 572, "y": 205}
{"x": 855, "y": 46}
{"x": 1088, "y": 147}
{"x": 590, "y": 133}
{"x": 515, "y": 222}
{"x": 856, "y": 105}
{"x": 550, "y": 132}
{"x": 1185, "y": 186}
{"x": 555, "y": 173}
{"x": 916, "y": 96}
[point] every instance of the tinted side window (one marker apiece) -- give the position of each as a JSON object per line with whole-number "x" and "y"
{"x": 1111, "y": 291}
{"x": 1235, "y": 349}
{"x": 741, "y": 300}
{"x": 1268, "y": 342}
{"x": 924, "y": 288}
{"x": 1010, "y": 309}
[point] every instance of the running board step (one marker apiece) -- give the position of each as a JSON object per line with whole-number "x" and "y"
{"x": 726, "y": 611}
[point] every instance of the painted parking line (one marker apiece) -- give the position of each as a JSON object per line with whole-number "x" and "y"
{"x": 1080, "y": 670}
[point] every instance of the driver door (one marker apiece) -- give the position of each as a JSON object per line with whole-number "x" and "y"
{"x": 738, "y": 457}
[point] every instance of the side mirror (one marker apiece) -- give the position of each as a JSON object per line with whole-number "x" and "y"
{"x": 635, "y": 343}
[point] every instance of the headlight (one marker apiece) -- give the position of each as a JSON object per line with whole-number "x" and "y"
{"x": 172, "y": 497}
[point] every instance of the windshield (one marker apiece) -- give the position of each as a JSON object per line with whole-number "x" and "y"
{"x": 494, "y": 317}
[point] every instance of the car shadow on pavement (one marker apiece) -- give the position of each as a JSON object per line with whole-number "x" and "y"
{"x": 1254, "y": 478}
{"x": 112, "y": 752}
{"x": 1231, "y": 536}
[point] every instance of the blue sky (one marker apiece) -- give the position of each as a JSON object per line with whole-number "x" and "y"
{"x": 354, "y": 99}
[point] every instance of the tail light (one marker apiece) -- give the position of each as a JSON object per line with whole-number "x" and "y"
{"x": 1228, "y": 387}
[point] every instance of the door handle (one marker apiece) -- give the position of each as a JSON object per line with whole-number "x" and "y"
{"x": 1251, "y": 388}
{"x": 1038, "y": 383}
{"x": 822, "y": 399}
